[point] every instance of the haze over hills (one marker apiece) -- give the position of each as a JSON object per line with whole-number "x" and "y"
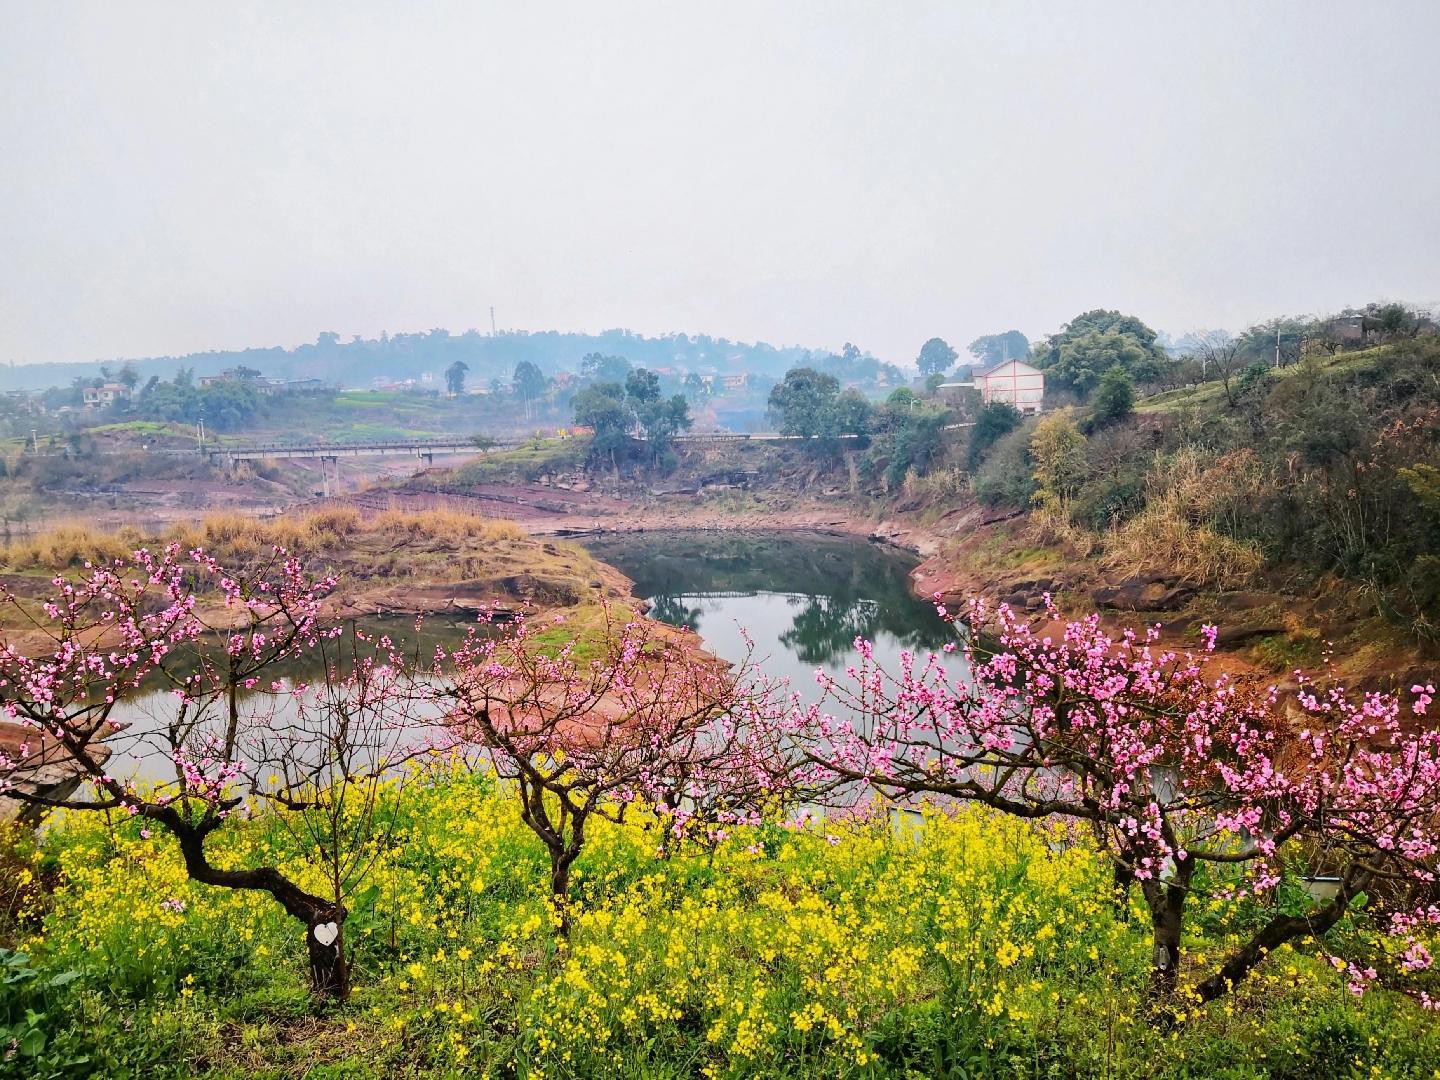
{"x": 488, "y": 356}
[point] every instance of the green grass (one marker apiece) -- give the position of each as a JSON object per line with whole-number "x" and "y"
{"x": 524, "y": 462}
{"x": 976, "y": 946}
{"x": 1212, "y": 392}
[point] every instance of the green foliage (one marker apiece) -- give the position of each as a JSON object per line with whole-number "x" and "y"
{"x": 1004, "y": 478}
{"x": 528, "y": 381}
{"x": 1091, "y": 344}
{"x": 455, "y": 377}
{"x": 902, "y": 397}
{"x": 850, "y": 414}
{"x": 597, "y": 367}
{"x": 803, "y": 401}
{"x": 936, "y": 357}
{"x": 1114, "y": 398}
{"x": 642, "y": 387}
{"x": 1057, "y": 448}
{"x": 662, "y": 419}
{"x": 615, "y": 411}
{"x": 993, "y": 349}
{"x": 908, "y": 438}
{"x": 917, "y": 445}
{"x": 994, "y": 422}
{"x": 603, "y": 408}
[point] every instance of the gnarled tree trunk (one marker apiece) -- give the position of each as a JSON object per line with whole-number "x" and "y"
{"x": 324, "y": 919}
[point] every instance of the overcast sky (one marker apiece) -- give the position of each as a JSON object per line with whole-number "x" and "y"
{"x": 195, "y": 175}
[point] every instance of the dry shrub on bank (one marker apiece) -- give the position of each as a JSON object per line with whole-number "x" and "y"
{"x": 1052, "y": 525}
{"x": 938, "y": 485}
{"x": 1196, "y": 552}
{"x": 447, "y": 525}
{"x": 1191, "y": 504}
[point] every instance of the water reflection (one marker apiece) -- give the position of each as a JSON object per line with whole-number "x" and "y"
{"x": 804, "y": 599}
{"x": 140, "y": 748}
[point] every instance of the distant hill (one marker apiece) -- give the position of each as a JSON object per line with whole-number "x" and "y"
{"x": 357, "y": 362}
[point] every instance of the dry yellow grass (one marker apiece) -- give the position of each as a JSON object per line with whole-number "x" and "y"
{"x": 450, "y": 525}
{"x": 232, "y": 537}
{"x": 1193, "y": 551}
{"x": 70, "y": 545}
{"x": 1189, "y": 494}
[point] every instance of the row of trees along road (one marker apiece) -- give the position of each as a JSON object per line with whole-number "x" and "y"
{"x": 1198, "y": 786}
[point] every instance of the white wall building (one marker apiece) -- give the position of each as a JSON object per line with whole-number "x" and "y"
{"x": 1015, "y": 382}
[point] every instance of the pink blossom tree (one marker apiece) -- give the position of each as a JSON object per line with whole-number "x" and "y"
{"x": 614, "y": 717}
{"x": 217, "y": 644}
{"x": 1170, "y": 763}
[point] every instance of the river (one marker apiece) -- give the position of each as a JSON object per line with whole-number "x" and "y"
{"x": 802, "y": 598}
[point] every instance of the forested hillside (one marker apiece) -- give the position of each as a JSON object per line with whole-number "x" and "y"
{"x": 1329, "y": 466}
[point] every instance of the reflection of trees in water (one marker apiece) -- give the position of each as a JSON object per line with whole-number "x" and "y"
{"x": 674, "y": 610}
{"x": 843, "y": 587}
{"x": 825, "y": 627}
{"x": 664, "y": 564}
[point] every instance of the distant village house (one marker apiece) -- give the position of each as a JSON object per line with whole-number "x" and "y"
{"x": 100, "y": 397}
{"x": 1014, "y": 382}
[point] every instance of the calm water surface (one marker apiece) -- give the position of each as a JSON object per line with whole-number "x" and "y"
{"x": 802, "y": 598}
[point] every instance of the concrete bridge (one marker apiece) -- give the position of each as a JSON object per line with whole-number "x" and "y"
{"x": 328, "y": 454}
{"x": 428, "y": 449}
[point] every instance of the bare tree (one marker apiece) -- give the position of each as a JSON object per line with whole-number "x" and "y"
{"x": 1220, "y": 358}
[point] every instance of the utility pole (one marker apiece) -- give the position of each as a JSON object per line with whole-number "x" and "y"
{"x": 1277, "y": 344}
{"x": 200, "y": 435}
{"x": 492, "y": 320}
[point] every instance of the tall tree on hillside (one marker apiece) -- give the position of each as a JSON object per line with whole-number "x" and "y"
{"x": 529, "y": 383}
{"x": 603, "y": 408}
{"x": 455, "y": 377}
{"x": 803, "y": 400}
{"x": 992, "y": 349}
{"x": 662, "y": 419}
{"x": 936, "y": 357}
{"x": 1091, "y": 344}
{"x": 642, "y": 386}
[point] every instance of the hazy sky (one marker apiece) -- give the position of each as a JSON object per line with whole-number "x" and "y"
{"x": 196, "y": 175}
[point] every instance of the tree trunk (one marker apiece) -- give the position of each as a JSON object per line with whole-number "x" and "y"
{"x": 329, "y": 968}
{"x": 1278, "y": 931}
{"x": 560, "y": 861}
{"x": 323, "y": 919}
{"x": 1122, "y": 879}
{"x": 1166, "y": 900}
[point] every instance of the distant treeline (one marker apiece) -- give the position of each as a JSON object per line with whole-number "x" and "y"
{"x": 359, "y": 361}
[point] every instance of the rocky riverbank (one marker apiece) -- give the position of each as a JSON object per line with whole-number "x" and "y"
{"x": 1268, "y": 629}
